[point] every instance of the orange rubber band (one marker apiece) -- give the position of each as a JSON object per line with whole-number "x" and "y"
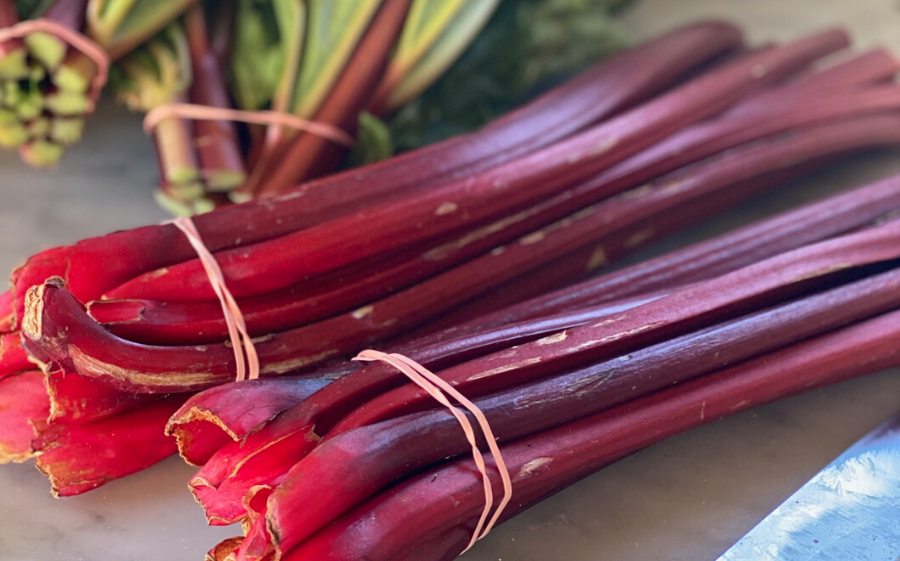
{"x": 275, "y": 118}
{"x": 245, "y": 355}
{"x": 436, "y": 388}
{"x": 76, "y": 40}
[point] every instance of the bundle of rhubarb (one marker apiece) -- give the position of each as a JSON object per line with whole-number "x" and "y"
{"x": 314, "y": 78}
{"x": 50, "y": 76}
{"x": 370, "y": 467}
{"x": 125, "y": 327}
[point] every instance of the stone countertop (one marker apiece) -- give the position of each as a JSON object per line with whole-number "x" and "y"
{"x": 688, "y": 498}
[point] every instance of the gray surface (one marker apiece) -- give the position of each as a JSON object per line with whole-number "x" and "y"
{"x": 688, "y": 498}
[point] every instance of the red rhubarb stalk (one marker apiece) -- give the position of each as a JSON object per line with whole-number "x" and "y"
{"x": 130, "y": 366}
{"x": 690, "y": 308}
{"x": 210, "y": 420}
{"x": 73, "y": 338}
{"x": 23, "y": 403}
{"x": 13, "y": 358}
{"x": 387, "y": 452}
{"x": 216, "y": 142}
{"x": 450, "y": 497}
{"x": 108, "y": 261}
{"x": 78, "y": 458}
{"x": 686, "y": 308}
{"x": 810, "y": 224}
{"x": 319, "y": 249}
{"x": 7, "y": 314}
{"x": 200, "y": 322}
{"x": 78, "y": 400}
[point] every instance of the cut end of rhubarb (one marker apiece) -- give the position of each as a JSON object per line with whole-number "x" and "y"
{"x": 225, "y": 551}
{"x": 199, "y": 435}
{"x": 34, "y": 311}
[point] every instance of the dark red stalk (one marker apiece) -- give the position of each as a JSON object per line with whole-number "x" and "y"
{"x": 320, "y": 249}
{"x": 78, "y": 458}
{"x": 211, "y": 419}
{"x": 134, "y": 367}
{"x": 388, "y": 452}
{"x": 875, "y": 67}
{"x": 581, "y": 263}
{"x": 216, "y": 142}
{"x": 809, "y": 224}
{"x": 450, "y": 497}
{"x": 200, "y": 322}
{"x": 228, "y": 413}
{"x": 362, "y": 398}
{"x": 248, "y": 452}
{"x": 163, "y": 369}
{"x": 23, "y": 402}
{"x": 688, "y": 308}
{"x": 623, "y": 80}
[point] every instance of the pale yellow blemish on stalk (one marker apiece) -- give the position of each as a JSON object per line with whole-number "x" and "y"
{"x": 630, "y": 332}
{"x": 532, "y": 239}
{"x": 598, "y": 259}
{"x": 825, "y": 271}
{"x": 604, "y": 146}
{"x": 441, "y": 252}
{"x": 34, "y": 309}
{"x": 740, "y": 405}
{"x": 92, "y": 366}
{"x": 498, "y": 250}
{"x": 506, "y": 368}
{"x": 641, "y": 191}
{"x": 639, "y": 237}
{"x": 531, "y": 467}
{"x": 609, "y": 321}
{"x": 446, "y": 208}
{"x": 362, "y": 312}
{"x": 297, "y": 363}
{"x": 551, "y": 339}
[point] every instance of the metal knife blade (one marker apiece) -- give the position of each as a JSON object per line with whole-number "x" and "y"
{"x": 850, "y": 511}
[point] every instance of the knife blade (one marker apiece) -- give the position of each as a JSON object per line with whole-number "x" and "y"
{"x": 850, "y": 511}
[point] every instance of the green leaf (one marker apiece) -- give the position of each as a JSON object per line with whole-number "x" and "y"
{"x": 31, "y": 9}
{"x": 121, "y": 25}
{"x": 332, "y": 32}
{"x": 429, "y": 50}
{"x": 257, "y": 56}
{"x": 526, "y": 47}
{"x": 373, "y": 141}
{"x": 159, "y": 72}
{"x": 291, "y": 18}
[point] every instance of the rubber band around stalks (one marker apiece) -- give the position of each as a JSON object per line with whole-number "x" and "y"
{"x": 196, "y": 112}
{"x": 74, "y": 39}
{"x": 437, "y": 388}
{"x": 245, "y": 356}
